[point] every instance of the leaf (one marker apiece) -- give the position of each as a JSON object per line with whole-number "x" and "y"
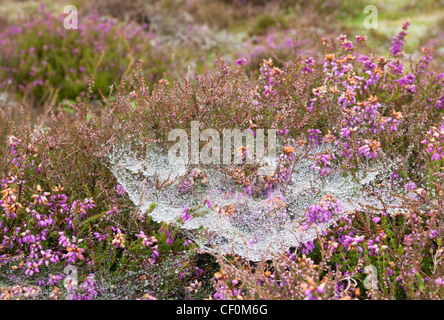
{"x": 420, "y": 282}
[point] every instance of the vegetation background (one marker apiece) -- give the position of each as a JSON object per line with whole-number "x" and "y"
{"x": 61, "y": 205}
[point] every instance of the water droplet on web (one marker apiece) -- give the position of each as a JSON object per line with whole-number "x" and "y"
{"x": 250, "y": 217}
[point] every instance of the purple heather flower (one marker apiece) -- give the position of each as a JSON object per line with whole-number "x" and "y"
{"x": 186, "y": 214}
{"x": 376, "y": 219}
{"x": 241, "y": 61}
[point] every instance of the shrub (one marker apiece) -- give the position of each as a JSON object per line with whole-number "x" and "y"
{"x": 359, "y": 110}
{"x": 44, "y": 62}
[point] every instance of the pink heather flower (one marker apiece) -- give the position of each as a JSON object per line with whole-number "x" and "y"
{"x": 321, "y": 288}
{"x": 313, "y": 136}
{"x": 253, "y": 240}
{"x": 15, "y": 30}
{"x": 187, "y": 242}
{"x": 399, "y": 40}
{"x": 241, "y": 61}
{"x": 120, "y": 190}
{"x": 186, "y": 214}
{"x": 208, "y": 203}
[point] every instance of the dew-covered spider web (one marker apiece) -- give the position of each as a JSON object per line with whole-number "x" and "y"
{"x": 229, "y": 219}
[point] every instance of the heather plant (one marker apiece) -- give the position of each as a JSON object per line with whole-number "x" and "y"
{"x": 43, "y": 62}
{"x": 47, "y": 227}
{"x": 405, "y": 249}
{"x": 358, "y": 132}
{"x": 367, "y": 127}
